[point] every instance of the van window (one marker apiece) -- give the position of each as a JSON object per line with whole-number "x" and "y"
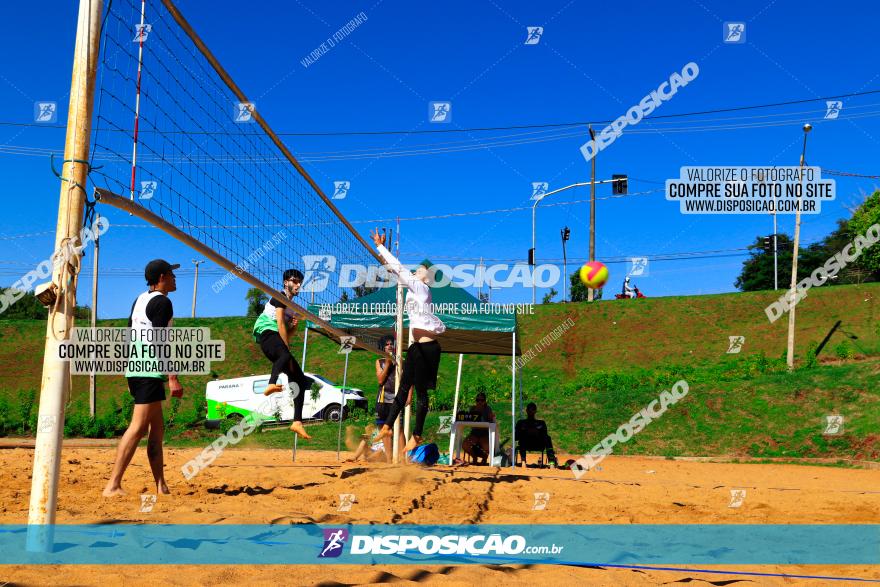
{"x": 260, "y": 385}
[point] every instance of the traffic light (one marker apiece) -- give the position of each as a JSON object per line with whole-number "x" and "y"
{"x": 566, "y": 233}
{"x": 768, "y": 244}
{"x": 618, "y": 184}
{"x": 531, "y": 256}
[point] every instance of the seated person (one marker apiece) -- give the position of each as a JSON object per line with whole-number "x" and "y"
{"x": 532, "y": 434}
{"x": 369, "y": 448}
{"x": 477, "y": 442}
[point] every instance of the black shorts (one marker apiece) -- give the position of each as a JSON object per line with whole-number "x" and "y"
{"x": 382, "y": 410}
{"x": 146, "y": 390}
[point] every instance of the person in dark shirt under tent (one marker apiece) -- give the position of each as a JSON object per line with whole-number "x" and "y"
{"x": 532, "y": 434}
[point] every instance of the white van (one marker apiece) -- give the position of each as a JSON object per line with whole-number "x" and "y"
{"x": 234, "y": 398}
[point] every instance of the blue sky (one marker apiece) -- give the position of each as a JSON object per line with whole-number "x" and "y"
{"x": 593, "y": 62}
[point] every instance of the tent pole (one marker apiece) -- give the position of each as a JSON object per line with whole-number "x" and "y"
{"x": 398, "y": 367}
{"x": 455, "y": 402}
{"x": 342, "y": 406}
{"x": 513, "y": 404}
{"x": 407, "y": 411}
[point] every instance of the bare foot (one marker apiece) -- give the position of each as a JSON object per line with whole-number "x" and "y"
{"x": 299, "y": 429}
{"x": 414, "y": 441}
{"x": 384, "y": 432}
{"x": 162, "y": 488}
{"x": 112, "y": 491}
{"x": 274, "y": 388}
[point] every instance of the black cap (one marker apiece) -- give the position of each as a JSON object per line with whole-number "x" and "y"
{"x": 156, "y": 269}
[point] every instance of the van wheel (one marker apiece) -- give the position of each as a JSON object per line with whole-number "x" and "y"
{"x": 331, "y": 413}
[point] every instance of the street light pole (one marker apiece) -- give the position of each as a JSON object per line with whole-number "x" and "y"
{"x": 592, "y": 210}
{"x": 195, "y": 286}
{"x": 593, "y": 183}
{"x": 794, "y": 257}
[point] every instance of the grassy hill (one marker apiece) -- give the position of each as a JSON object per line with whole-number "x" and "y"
{"x": 616, "y": 358}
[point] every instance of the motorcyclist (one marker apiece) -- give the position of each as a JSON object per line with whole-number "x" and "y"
{"x": 628, "y": 290}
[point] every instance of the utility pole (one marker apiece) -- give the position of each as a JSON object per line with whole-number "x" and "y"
{"x": 55, "y": 384}
{"x": 592, "y": 210}
{"x": 196, "y": 285}
{"x": 566, "y": 233}
{"x": 794, "y": 256}
{"x": 93, "y": 392}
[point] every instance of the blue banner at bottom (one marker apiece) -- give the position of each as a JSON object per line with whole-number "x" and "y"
{"x": 458, "y": 544}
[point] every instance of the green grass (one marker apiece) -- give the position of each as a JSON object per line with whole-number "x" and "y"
{"x": 614, "y": 361}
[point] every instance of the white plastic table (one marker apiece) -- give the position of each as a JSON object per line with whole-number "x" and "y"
{"x": 456, "y": 438}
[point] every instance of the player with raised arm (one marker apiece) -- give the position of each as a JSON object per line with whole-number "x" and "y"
{"x": 423, "y": 355}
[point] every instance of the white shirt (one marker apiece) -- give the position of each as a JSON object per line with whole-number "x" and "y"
{"x": 418, "y": 297}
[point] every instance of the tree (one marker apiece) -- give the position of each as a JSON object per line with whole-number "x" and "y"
{"x": 256, "y": 300}
{"x": 548, "y": 297}
{"x": 757, "y": 271}
{"x": 29, "y": 307}
{"x": 865, "y": 216}
{"x": 578, "y": 291}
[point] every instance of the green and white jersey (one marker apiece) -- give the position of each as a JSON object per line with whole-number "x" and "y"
{"x": 266, "y": 320}
{"x": 151, "y": 310}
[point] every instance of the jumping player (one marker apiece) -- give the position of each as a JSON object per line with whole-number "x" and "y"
{"x": 151, "y": 309}
{"x": 272, "y": 331}
{"x": 422, "y": 356}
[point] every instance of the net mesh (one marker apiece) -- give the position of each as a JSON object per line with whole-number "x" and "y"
{"x": 204, "y": 163}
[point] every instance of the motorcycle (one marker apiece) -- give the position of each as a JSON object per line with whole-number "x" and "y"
{"x": 621, "y": 296}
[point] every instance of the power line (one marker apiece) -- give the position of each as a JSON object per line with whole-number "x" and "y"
{"x": 491, "y": 128}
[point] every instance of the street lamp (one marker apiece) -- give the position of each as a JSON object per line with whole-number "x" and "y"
{"x": 794, "y": 257}
{"x": 618, "y": 180}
